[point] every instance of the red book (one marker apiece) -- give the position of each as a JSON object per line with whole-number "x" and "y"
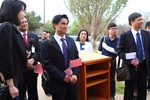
{"x": 76, "y": 63}
{"x": 38, "y": 69}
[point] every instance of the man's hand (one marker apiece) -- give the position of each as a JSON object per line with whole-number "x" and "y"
{"x": 30, "y": 64}
{"x": 135, "y": 62}
{"x": 73, "y": 79}
{"x": 28, "y": 53}
{"x": 67, "y": 79}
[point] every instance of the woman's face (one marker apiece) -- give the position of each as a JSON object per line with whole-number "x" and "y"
{"x": 83, "y": 36}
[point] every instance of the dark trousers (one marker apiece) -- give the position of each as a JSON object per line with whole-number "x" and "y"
{"x": 29, "y": 85}
{"x": 112, "y": 78}
{"x": 139, "y": 80}
{"x": 71, "y": 93}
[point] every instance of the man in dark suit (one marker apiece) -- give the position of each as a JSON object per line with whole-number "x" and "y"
{"x": 138, "y": 60}
{"x": 30, "y": 77}
{"x": 147, "y": 27}
{"x": 64, "y": 85}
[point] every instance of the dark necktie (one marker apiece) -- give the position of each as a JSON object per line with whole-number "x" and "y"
{"x": 65, "y": 52}
{"x": 25, "y": 39}
{"x": 139, "y": 47}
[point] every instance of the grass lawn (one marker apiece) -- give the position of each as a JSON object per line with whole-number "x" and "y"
{"x": 119, "y": 87}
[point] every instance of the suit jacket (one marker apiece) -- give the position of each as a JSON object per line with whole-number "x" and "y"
{"x": 36, "y": 55}
{"x": 13, "y": 60}
{"x": 131, "y": 44}
{"x": 55, "y": 64}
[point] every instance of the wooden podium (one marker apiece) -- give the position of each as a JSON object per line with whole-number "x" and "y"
{"x": 94, "y": 76}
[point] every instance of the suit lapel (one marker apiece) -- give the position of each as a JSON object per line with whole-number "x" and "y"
{"x": 55, "y": 44}
{"x": 69, "y": 45}
{"x": 29, "y": 36}
{"x": 143, "y": 39}
{"x": 130, "y": 37}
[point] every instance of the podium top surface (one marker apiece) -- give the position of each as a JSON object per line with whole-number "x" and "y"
{"x": 87, "y": 56}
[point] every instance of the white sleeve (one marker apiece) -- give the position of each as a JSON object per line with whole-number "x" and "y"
{"x": 108, "y": 48}
{"x": 99, "y": 52}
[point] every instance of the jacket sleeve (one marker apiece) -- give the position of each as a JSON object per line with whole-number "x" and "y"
{"x": 121, "y": 47}
{"x": 100, "y": 44}
{"x": 36, "y": 55}
{"x": 6, "y": 50}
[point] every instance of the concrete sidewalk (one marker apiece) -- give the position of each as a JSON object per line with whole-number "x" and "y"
{"x": 42, "y": 95}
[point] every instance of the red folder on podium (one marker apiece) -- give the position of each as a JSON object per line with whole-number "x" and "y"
{"x": 76, "y": 63}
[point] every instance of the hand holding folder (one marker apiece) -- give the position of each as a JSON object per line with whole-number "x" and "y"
{"x": 38, "y": 69}
{"x": 68, "y": 71}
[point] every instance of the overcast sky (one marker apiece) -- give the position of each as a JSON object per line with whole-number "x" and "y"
{"x": 54, "y": 7}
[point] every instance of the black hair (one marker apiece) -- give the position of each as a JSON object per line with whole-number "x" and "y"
{"x": 87, "y": 39}
{"x": 57, "y": 18}
{"x": 133, "y": 16}
{"x": 111, "y": 25}
{"x": 9, "y": 11}
{"x": 147, "y": 24}
{"x": 46, "y": 31}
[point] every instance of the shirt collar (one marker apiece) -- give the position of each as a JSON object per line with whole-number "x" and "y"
{"x": 23, "y": 33}
{"x": 59, "y": 37}
{"x": 134, "y": 32}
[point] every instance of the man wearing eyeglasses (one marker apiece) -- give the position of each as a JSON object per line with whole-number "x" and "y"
{"x": 108, "y": 46}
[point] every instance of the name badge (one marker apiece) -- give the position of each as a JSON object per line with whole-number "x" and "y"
{"x": 32, "y": 49}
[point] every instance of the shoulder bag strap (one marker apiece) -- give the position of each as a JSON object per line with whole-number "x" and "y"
{"x": 126, "y": 49}
{"x": 51, "y": 49}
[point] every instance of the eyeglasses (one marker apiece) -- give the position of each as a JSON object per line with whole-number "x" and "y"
{"x": 113, "y": 28}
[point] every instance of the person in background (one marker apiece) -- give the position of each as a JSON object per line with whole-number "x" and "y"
{"x": 147, "y": 27}
{"x": 139, "y": 50}
{"x": 108, "y": 47}
{"x": 82, "y": 41}
{"x": 30, "y": 77}
{"x": 45, "y": 35}
{"x": 13, "y": 57}
{"x": 64, "y": 84}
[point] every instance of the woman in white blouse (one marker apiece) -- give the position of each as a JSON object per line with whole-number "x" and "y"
{"x": 82, "y": 41}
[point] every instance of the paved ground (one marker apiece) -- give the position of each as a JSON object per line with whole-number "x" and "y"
{"x": 42, "y": 96}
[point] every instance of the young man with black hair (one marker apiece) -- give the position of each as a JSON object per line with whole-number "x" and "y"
{"x": 108, "y": 46}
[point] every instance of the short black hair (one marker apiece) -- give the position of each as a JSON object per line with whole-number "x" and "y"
{"x": 87, "y": 39}
{"x": 112, "y": 24}
{"x": 133, "y": 16}
{"x": 57, "y": 18}
{"x": 46, "y": 31}
{"x": 147, "y": 24}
